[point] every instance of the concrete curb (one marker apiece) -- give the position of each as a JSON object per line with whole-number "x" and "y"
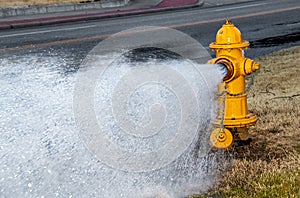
{"x": 55, "y": 8}
{"x": 73, "y": 18}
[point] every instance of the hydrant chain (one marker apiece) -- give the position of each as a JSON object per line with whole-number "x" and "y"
{"x": 251, "y": 77}
{"x": 223, "y": 108}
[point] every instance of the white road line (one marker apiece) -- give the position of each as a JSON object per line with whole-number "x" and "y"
{"x": 245, "y": 6}
{"x": 46, "y": 31}
{"x": 293, "y": 24}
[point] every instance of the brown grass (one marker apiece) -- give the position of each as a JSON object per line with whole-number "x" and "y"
{"x": 270, "y": 166}
{"x": 275, "y": 99}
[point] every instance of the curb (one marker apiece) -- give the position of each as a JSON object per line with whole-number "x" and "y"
{"x": 84, "y": 17}
{"x": 54, "y": 8}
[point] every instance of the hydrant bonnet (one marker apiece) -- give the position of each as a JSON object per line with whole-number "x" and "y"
{"x": 229, "y": 37}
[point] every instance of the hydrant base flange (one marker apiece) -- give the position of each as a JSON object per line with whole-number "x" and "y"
{"x": 247, "y": 122}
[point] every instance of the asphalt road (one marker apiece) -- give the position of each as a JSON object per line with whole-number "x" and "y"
{"x": 268, "y": 25}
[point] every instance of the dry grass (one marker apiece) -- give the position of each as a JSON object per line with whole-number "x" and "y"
{"x": 275, "y": 99}
{"x": 270, "y": 166}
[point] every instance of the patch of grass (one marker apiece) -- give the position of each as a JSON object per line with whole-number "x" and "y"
{"x": 275, "y": 98}
{"x": 297, "y": 148}
{"x": 274, "y": 130}
{"x": 270, "y": 166}
{"x": 274, "y": 184}
{"x": 258, "y": 179}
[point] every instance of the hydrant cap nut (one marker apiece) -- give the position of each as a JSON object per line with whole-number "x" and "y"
{"x": 250, "y": 66}
{"x": 256, "y": 66}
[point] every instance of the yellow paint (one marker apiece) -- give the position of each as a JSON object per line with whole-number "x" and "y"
{"x": 229, "y": 48}
{"x": 221, "y": 138}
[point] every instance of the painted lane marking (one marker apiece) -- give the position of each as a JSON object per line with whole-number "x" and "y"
{"x": 234, "y": 8}
{"x": 46, "y": 31}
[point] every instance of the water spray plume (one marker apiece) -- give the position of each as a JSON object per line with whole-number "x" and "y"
{"x": 132, "y": 127}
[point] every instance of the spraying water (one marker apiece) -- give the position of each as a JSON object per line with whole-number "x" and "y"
{"x": 42, "y": 154}
{"x": 123, "y": 125}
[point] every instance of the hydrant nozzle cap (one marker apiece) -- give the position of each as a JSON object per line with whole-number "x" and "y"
{"x": 229, "y": 37}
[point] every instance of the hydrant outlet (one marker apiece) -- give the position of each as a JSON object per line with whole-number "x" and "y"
{"x": 229, "y": 66}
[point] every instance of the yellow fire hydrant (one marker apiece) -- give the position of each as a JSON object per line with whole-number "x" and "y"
{"x": 233, "y": 120}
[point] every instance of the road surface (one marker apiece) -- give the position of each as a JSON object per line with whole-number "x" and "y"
{"x": 268, "y": 25}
